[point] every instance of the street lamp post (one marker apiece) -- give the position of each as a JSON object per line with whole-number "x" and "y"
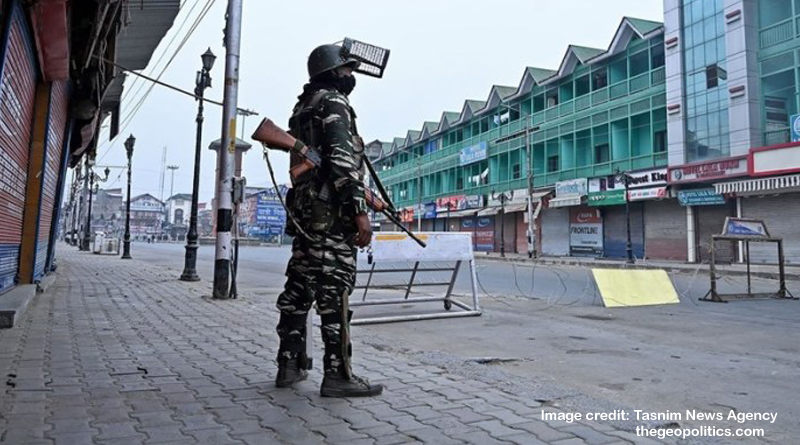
{"x": 202, "y": 81}
{"x": 126, "y": 245}
{"x": 503, "y": 197}
{"x": 625, "y": 177}
{"x": 93, "y": 189}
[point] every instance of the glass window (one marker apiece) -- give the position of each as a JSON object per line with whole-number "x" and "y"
{"x": 552, "y": 164}
{"x": 538, "y": 103}
{"x": 771, "y": 12}
{"x": 601, "y": 154}
{"x": 656, "y": 56}
{"x": 599, "y": 78}
{"x": 639, "y": 63}
{"x": 582, "y": 86}
{"x": 618, "y": 70}
{"x": 551, "y": 97}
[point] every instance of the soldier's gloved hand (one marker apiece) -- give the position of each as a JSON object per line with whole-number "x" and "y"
{"x": 364, "y": 236}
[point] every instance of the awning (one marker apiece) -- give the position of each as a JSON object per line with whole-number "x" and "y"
{"x": 488, "y": 211}
{"x": 537, "y": 196}
{"x": 461, "y": 213}
{"x": 566, "y": 202}
{"x": 516, "y": 207}
{"x": 758, "y": 186}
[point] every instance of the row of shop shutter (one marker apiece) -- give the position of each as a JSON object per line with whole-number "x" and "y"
{"x": 18, "y": 82}
{"x": 18, "y": 77}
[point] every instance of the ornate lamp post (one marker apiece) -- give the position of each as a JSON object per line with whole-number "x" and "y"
{"x": 503, "y": 197}
{"x": 126, "y": 245}
{"x": 202, "y": 82}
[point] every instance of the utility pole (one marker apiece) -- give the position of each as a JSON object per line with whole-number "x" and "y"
{"x": 171, "y": 169}
{"x": 222, "y": 263}
{"x": 529, "y": 167}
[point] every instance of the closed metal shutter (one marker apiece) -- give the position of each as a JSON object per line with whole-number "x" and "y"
{"x": 555, "y": 231}
{"x": 615, "y": 233}
{"x": 56, "y": 122}
{"x": 709, "y": 221}
{"x": 665, "y": 230}
{"x": 781, "y": 214}
{"x": 17, "y": 93}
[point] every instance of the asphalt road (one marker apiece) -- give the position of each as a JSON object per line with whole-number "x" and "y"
{"x": 554, "y": 338}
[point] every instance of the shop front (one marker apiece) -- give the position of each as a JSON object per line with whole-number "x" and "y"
{"x": 705, "y": 208}
{"x": 555, "y": 223}
{"x": 608, "y": 193}
{"x": 772, "y": 194}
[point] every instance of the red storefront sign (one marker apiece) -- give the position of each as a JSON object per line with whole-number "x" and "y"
{"x": 709, "y": 171}
{"x": 451, "y": 203}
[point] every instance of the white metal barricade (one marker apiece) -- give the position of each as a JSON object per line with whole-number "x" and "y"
{"x": 395, "y": 253}
{"x": 399, "y": 250}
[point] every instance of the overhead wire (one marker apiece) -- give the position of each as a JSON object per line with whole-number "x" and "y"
{"x": 132, "y": 113}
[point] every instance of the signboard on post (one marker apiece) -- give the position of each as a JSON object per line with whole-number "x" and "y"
{"x": 745, "y": 227}
{"x": 585, "y": 231}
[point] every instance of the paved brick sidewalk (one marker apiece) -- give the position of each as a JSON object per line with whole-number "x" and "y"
{"x": 121, "y": 352}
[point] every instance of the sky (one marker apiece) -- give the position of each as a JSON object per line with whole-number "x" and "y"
{"x": 442, "y": 53}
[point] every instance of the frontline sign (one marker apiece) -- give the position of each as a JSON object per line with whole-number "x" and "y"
{"x": 474, "y": 153}
{"x": 709, "y": 171}
{"x": 585, "y": 231}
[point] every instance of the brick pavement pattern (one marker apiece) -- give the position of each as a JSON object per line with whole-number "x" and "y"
{"x": 120, "y": 352}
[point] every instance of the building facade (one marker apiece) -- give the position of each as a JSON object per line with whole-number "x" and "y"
{"x": 147, "y": 218}
{"x": 694, "y": 113}
{"x": 178, "y": 211}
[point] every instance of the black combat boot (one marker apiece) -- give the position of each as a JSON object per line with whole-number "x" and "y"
{"x": 290, "y": 371}
{"x": 335, "y": 385}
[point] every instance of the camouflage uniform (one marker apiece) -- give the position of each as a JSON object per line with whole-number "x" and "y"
{"x": 323, "y": 268}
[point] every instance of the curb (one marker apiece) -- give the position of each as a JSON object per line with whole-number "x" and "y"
{"x": 684, "y": 268}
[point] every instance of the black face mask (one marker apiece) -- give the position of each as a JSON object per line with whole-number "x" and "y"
{"x": 345, "y": 84}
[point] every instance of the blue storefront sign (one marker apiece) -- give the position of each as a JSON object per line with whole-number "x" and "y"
{"x": 700, "y": 197}
{"x": 270, "y": 213}
{"x": 474, "y": 153}
{"x": 430, "y": 211}
{"x": 794, "y": 123}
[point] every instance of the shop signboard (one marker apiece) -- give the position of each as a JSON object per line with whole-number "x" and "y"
{"x": 709, "y": 171}
{"x": 482, "y": 229}
{"x": 572, "y": 188}
{"x": 585, "y": 231}
{"x": 430, "y": 210}
{"x": 775, "y": 160}
{"x": 471, "y": 202}
{"x": 449, "y": 203}
{"x": 648, "y": 193}
{"x": 607, "y": 198}
{"x": 473, "y": 153}
{"x": 484, "y": 233}
{"x": 700, "y": 197}
{"x": 794, "y": 123}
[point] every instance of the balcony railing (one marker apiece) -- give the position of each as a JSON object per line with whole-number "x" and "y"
{"x": 780, "y": 32}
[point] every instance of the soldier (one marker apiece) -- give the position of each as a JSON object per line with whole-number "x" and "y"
{"x": 329, "y": 205}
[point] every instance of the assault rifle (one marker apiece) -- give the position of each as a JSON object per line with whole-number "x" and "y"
{"x": 274, "y": 137}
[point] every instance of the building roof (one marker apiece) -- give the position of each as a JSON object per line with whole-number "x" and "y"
{"x": 146, "y": 195}
{"x": 180, "y": 196}
{"x": 628, "y": 29}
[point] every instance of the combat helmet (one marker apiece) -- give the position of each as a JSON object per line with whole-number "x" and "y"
{"x": 328, "y": 57}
